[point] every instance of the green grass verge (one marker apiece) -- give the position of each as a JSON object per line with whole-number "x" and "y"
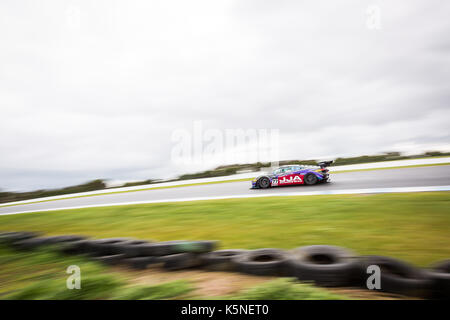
{"x": 41, "y": 275}
{"x": 411, "y": 226}
{"x": 216, "y": 182}
{"x": 285, "y": 289}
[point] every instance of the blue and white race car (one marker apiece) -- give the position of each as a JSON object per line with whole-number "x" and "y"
{"x": 292, "y": 175}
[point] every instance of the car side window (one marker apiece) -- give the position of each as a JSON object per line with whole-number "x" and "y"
{"x": 286, "y": 170}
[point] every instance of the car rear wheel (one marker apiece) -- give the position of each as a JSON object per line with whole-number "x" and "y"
{"x": 264, "y": 183}
{"x": 310, "y": 179}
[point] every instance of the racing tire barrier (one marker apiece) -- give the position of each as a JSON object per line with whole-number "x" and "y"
{"x": 105, "y": 247}
{"x": 323, "y": 265}
{"x": 111, "y": 260}
{"x": 63, "y": 239}
{"x": 398, "y": 277}
{"x": 75, "y": 247}
{"x": 262, "y": 262}
{"x": 221, "y": 260}
{"x": 11, "y": 237}
{"x": 133, "y": 248}
{"x": 29, "y": 244}
{"x": 180, "y": 261}
{"x": 181, "y": 246}
{"x": 139, "y": 263}
{"x": 35, "y": 242}
{"x": 440, "y": 276}
{"x": 327, "y": 266}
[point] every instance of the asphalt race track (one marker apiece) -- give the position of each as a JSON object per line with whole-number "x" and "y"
{"x": 387, "y": 178}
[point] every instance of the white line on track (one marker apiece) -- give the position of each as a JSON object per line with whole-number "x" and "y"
{"x": 311, "y": 193}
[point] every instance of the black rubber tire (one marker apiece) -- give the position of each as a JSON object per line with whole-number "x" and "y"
{"x": 139, "y": 263}
{"x": 132, "y": 248}
{"x": 33, "y": 243}
{"x": 9, "y": 238}
{"x": 111, "y": 260}
{"x": 106, "y": 247}
{"x": 221, "y": 260}
{"x": 145, "y": 250}
{"x": 440, "y": 276}
{"x": 310, "y": 179}
{"x": 328, "y": 266}
{"x": 160, "y": 248}
{"x": 399, "y": 277}
{"x": 198, "y": 246}
{"x": 63, "y": 239}
{"x": 179, "y": 246}
{"x": 262, "y": 262}
{"x": 76, "y": 247}
{"x": 180, "y": 261}
{"x": 30, "y": 244}
{"x": 263, "y": 183}
{"x": 129, "y": 247}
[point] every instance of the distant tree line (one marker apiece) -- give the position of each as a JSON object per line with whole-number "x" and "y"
{"x": 18, "y": 196}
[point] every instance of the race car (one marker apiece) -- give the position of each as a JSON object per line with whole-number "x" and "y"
{"x": 293, "y": 175}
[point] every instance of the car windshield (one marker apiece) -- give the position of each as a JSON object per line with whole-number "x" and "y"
{"x": 282, "y": 170}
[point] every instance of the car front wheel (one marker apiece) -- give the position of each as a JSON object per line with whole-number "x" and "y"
{"x": 264, "y": 183}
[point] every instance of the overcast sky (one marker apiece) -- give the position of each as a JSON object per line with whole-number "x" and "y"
{"x": 95, "y": 89}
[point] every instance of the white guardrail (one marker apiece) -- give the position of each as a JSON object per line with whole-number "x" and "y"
{"x": 373, "y": 165}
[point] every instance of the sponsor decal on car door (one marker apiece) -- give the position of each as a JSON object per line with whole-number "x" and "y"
{"x": 290, "y": 179}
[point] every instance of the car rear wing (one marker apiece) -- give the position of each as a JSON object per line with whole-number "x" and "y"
{"x": 324, "y": 164}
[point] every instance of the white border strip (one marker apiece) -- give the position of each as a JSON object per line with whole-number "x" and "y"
{"x": 311, "y": 193}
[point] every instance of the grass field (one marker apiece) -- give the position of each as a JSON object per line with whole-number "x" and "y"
{"x": 413, "y": 226}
